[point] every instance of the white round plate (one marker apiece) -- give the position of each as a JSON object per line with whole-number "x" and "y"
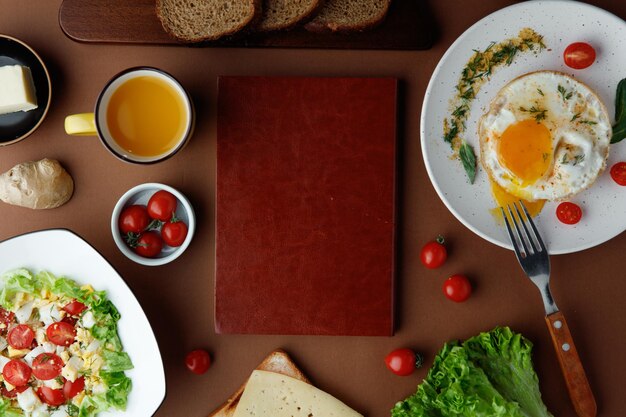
{"x": 561, "y": 22}
{"x": 63, "y": 253}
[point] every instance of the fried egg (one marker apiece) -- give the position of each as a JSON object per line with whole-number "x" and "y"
{"x": 545, "y": 137}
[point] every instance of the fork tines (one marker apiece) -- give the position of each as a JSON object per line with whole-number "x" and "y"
{"x": 524, "y": 242}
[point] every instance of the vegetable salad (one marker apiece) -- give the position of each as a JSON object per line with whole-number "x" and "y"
{"x": 60, "y": 353}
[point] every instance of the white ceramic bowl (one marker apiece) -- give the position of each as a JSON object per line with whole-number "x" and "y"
{"x": 140, "y": 194}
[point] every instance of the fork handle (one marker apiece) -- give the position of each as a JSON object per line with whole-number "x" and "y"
{"x": 573, "y": 372}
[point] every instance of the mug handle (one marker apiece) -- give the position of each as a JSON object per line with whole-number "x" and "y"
{"x": 82, "y": 124}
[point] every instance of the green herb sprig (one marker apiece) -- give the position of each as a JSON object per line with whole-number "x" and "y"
{"x": 538, "y": 114}
{"x": 619, "y": 128}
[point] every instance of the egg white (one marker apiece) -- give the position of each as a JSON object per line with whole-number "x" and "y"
{"x": 579, "y": 127}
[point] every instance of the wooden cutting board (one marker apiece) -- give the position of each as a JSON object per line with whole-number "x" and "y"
{"x": 408, "y": 26}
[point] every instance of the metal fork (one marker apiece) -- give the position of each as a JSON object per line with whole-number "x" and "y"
{"x": 533, "y": 257}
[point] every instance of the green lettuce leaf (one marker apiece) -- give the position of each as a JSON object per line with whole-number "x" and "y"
{"x": 93, "y": 405}
{"x": 490, "y": 375}
{"x": 12, "y": 282}
{"x": 119, "y": 388}
{"x": 116, "y": 361}
{"x": 7, "y": 411}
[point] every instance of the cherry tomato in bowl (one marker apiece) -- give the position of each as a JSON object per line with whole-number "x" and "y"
{"x": 579, "y": 55}
{"x": 457, "y": 288}
{"x": 198, "y": 361}
{"x": 134, "y": 219}
{"x": 174, "y": 233}
{"x": 162, "y": 205}
{"x": 434, "y": 253}
{"x": 569, "y": 213}
{"x": 403, "y": 361}
{"x": 148, "y": 245}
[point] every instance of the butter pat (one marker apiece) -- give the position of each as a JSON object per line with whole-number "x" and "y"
{"x": 17, "y": 90}
{"x": 270, "y": 394}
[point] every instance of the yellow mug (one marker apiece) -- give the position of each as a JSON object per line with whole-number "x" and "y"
{"x": 143, "y": 115}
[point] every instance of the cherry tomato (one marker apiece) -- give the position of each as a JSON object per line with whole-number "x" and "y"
{"x": 198, "y": 361}
{"x": 403, "y": 361}
{"x": 47, "y": 366}
{"x": 618, "y": 173}
{"x": 162, "y": 205}
{"x": 149, "y": 245}
{"x": 61, "y": 333}
{"x": 6, "y": 319}
{"x": 16, "y": 373}
{"x": 75, "y": 308}
{"x": 53, "y": 397}
{"x": 134, "y": 219}
{"x": 434, "y": 254}
{"x": 71, "y": 320}
{"x": 569, "y": 213}
{"x": 457, "y": 288}
{"x": 13, "y": 393}
{"x": 174, "y": 233}
{"x": 579, "y": 55}
{"x": 72, "y": 389}
{"x": 20, "y": 337}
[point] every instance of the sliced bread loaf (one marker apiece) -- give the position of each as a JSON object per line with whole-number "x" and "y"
{"x": 349, "y": 15}
{"x": 199, "y": 20}
{"x": 285, "y": 14}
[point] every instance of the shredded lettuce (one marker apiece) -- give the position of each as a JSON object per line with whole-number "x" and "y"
{"x": 106, "y": 317}
{"x": 489, "y": 375}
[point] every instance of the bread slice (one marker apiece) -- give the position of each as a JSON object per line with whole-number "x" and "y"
{"x": 285, "y": 14}
{"x": 201, "y": 20}
{"x": 278, "y": 361}
{"x": 349, "y": 15}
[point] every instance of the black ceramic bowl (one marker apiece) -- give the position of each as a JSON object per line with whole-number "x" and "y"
{"x": 17, "y": 126}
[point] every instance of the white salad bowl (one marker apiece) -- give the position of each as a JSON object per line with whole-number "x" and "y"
{"x": 141, "y": 194}
{"x": 63, "y": 253}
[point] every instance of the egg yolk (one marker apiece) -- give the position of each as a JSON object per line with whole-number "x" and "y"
{"x": 503, "y": 199}
{"x": 525, "y": 149}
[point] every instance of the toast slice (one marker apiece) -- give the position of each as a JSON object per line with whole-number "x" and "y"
{"x": 201, "y": 20}
{"x": 285, "y": 14}
{"x": 349, "y": 15}
{"x": 278, "y": 361}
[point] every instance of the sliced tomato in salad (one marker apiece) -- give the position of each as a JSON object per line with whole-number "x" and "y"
{"x": 72, "y": 389}
{"x": 16, "y": 373}
{"x": 20, "y": 337}
{"x": 13, "y": 393}
{"x": 47, "y": 366}
{"x": 61, "y": 333}
{"x": 75, "y": 308}
{"x": 50, "y": 396}
{"x": 6, "y": 319}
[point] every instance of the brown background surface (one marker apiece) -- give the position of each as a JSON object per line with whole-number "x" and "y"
{"x": 589, "y": 286}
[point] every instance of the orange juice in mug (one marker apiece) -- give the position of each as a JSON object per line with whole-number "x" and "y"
{"x": 142, "y": 115}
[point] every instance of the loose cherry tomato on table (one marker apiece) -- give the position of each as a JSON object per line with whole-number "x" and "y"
{"x": 134, "y": 219}
{"x": 569, "y": 213}
{"x": 75, "y": 308}
{"x": 457, "y": 288}
{"x": 174, "y": 233}
{"x": 198, "y": 361}
{"x": 72, "y": 389}
{"x": 53, "y": 397}
{"x": 148, "y": 245}
{"x": 434, "y": 254}
{"x": 162, "y": 205}
{"x": 20, "y": 337}
{"x": 47, "y": 366}
{"x": 618, "y": 173}
{"x": 61, "y": 333}
{"x": 403, "y": 361}
{"x": 16, "y": 373}
{"x": 579, "y": 55}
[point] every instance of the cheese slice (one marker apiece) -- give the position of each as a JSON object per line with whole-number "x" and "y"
{"x": 270, "y": 394}
{"x": 17, "y": 90}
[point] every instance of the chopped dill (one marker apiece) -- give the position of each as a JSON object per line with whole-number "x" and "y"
{"x": 576, "y": 116}
{"x": 538, "y": 114}
{"x": 588, "y": 122}
{"x": 564, "y": 93}
{"x": 578, "y": 159}
{"x": 540, "y": 92}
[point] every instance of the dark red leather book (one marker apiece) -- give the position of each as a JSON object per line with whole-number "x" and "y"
{"x": 305, "y": 205}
